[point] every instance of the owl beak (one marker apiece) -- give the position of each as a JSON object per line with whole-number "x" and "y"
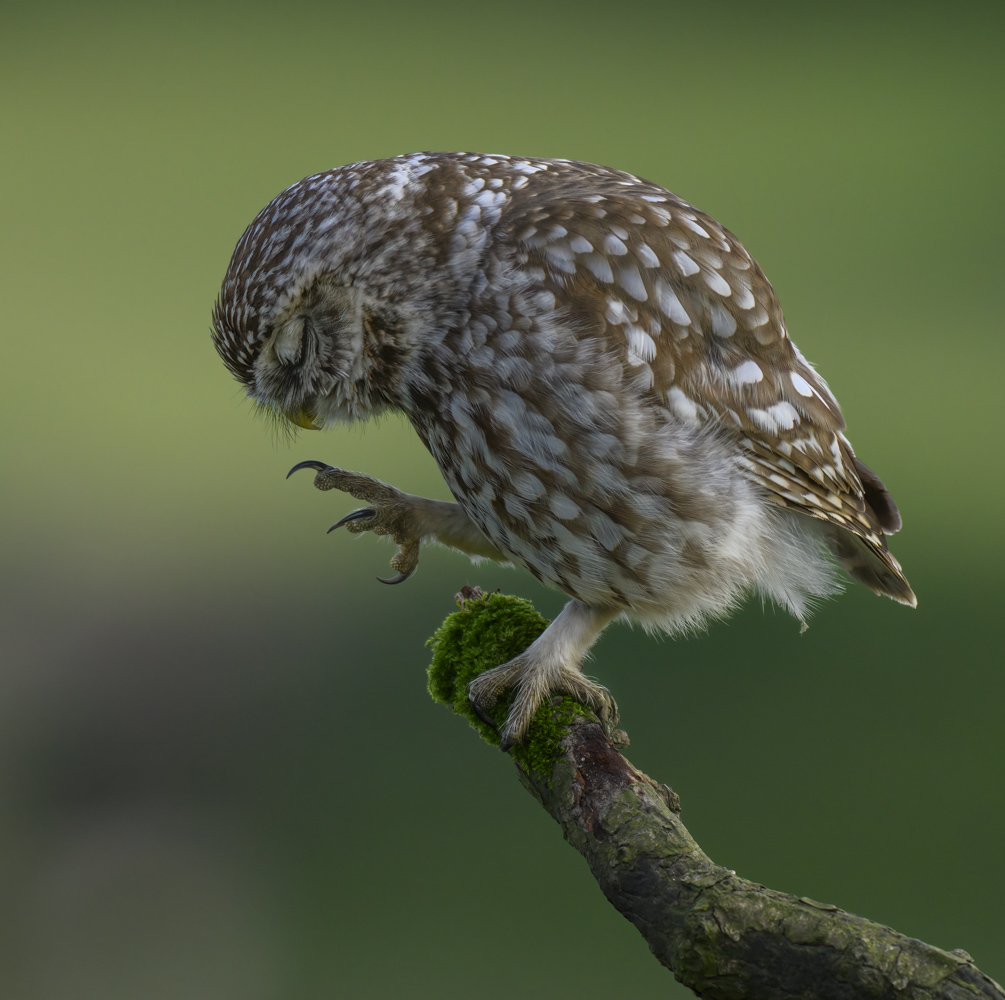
{"x": 303, "y": 418}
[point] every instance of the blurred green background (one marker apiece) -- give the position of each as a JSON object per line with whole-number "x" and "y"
{"x": 220, "y": 774}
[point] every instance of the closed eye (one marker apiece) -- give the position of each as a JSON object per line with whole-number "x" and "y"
{"x": 288, "y": 344}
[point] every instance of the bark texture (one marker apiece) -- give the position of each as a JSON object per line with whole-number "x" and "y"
{"x": 720, "y": 935}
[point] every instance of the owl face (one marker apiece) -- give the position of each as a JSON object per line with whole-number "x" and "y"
{"x": 312, "y": 367}
{"x": 307, "y": 359}
{"x": 330, "y": 289}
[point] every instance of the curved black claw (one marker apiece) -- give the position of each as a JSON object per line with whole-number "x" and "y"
{"x": 397, "y": 578}
{"x": 316, "y": 466}
{"x": 356, "y": 515}
{"x": 482, "y": 714}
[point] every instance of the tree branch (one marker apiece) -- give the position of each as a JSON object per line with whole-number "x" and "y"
{"x": 720, "y": 935}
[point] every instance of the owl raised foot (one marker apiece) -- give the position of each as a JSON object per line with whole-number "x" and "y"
{"x": 391, "y": 512}
{"x": 408, "y": 519}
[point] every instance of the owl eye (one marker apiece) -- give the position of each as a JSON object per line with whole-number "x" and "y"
{"x": 288, "y": 344}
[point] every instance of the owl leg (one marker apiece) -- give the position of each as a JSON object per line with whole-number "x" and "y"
{"x": 408, "y": 519}
{"x": 552, "y": 664}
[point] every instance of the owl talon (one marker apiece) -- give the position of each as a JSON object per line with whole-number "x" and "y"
{"x": 506, "y": 743}
{"x": 309, "y": 464}
{"x": 397, "y": 578}
{"x": 366, "y": 513}
{"x": 482, "y": 714}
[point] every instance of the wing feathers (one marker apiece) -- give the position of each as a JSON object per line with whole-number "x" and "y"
{"x": 698, "y": 325}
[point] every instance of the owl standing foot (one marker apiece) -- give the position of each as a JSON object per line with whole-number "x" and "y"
{"x": 533, "y": 686}
{"x": 551, "y": 665}
{"x": 391, "y": 512}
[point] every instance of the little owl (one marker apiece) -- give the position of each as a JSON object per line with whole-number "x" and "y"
{"x": 601, "y": 372}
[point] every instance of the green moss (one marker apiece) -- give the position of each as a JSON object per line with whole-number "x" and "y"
{"x": 484, "y": 633}
{"x": 542, "y": 745}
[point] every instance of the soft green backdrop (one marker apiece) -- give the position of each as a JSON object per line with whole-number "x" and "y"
{"x": 220, "y": 775}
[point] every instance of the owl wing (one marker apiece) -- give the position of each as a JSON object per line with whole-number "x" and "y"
{"x": 699, "y": 327}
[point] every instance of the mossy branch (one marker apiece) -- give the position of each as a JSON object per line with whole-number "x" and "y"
{"x": 720, "y": 935}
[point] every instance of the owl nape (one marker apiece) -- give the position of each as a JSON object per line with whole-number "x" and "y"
{"x": 551, "y": 665}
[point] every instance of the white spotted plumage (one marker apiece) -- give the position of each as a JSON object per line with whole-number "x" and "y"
{"x": 601, "y": 371}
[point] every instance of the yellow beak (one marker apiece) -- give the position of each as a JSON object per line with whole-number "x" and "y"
{"x": 304, "y": 418}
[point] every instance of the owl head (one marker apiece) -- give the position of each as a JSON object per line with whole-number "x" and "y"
{"x": 331, "y": 288}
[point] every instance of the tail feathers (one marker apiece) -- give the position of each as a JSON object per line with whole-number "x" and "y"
{"x": 872, "y": 565}
{"x": 878, "y": 498}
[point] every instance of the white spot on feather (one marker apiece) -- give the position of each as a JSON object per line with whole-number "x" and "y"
{"x": 528, "y": 486}
{"x": 563, "y": 508}
{"x": 558, "y": 251}
{"x": 646, "y": 255}
{"x": 800, "y": 384}
{"x": 604, "y": 530}
{"x": 617, "y": 312}
{"x": 686, "y": 264}
{"x": 682, "y": 405}
{"x": 631, "y": 281}
{"x": 780, "y": 417}
{"x": 692, "y": 224}
{"x": 641, "y": 347}
{"x": 723, "y": 323}
{"x": 746, "y": 374}
{"x": 742, "y": 295}
{"x": 717, "y": 283}
{"x": 644, "y": 378}
{"x": 490, "y": 199}
{"x": 599, "y": 266}
{"x": 560, "y": 258}
{"x": 670, "y": 305}
{"x": 614, "y": 245}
